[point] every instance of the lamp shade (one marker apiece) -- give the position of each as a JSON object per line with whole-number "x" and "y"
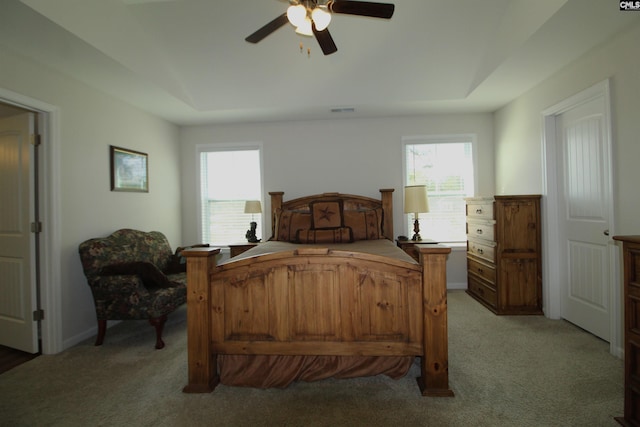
{"x": 415, "y": 199}
{"x": 252, "y": 206}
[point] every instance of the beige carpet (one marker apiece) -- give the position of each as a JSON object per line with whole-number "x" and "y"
{"x": 505, "y": 371}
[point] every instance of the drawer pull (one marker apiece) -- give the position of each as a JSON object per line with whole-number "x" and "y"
{"x": 480, "y": 270}
{"x": 479, "y": 231}
{"x": 479, "y": 211}
{"x": 480, "y": 251}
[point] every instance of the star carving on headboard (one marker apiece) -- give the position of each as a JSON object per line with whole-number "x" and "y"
{"x": 326, "y": 213}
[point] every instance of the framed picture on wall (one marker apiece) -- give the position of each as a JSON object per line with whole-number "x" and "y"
{"x": 129, "y": 170}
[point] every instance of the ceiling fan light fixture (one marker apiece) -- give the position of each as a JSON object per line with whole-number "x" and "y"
{"x": 305, "y": 28}
{"x": 321, "y": 18}
{"x": 312, "y": 17}
{"x": 296, "y": 14}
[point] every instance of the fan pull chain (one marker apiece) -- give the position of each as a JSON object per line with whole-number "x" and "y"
{"x": 308, "y": 50}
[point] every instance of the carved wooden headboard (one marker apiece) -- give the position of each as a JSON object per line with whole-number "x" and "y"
{"x": 350, "y": 202}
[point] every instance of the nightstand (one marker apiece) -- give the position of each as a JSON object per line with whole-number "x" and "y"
{"x": 238, "y": 248}
{"x": 409, "y": 246}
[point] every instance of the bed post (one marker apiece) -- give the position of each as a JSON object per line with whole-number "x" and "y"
{"x": 276, "y": 203}
{"x": 387, "y": 208}
{"x": 434, "y": 366}
{"x": 202, "y": 363}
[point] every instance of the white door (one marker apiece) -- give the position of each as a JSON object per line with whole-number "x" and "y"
{"x": 584, "y": 204}
{"x": 17, "y": 283}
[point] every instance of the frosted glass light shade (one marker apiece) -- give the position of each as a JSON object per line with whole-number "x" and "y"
{"x": 305, "y": 28}
{"x": 321, "y": 18}
{"x": 296, "y": 14}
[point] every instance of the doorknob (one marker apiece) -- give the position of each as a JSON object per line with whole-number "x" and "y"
{"x": 606, "y": 232}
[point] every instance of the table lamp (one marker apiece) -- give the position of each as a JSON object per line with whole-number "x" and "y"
{"x": 415, "y": 202}
{"x": 253, "y": 207}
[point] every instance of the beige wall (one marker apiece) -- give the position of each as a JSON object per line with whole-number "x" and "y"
{"x": 518, "y": 126}
{"x": 84, "y": 206}
{"x": 518, "y": 129}
{"x": 356, "y": 156}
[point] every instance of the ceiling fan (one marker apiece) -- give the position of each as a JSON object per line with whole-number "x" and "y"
{"x": 312, "y": 17}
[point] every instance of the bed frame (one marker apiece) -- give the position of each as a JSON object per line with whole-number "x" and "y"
{"x": 319, "y": 301}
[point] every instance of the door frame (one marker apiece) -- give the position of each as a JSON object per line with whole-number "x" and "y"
{"x": 49, "y": 192}
{"x": 552, "y": 289}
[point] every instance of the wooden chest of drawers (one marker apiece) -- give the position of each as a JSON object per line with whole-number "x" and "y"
{"x": 504, "y": 270}
{"x": 631, "y": 254}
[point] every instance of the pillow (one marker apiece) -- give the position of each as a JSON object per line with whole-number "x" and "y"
{"x": 365, "y": 223}
{"x": 150, "y": 275}
{"x": 325, "y": 235}
{"x": 288, "y": 222}
{"x": 326, "y": 214}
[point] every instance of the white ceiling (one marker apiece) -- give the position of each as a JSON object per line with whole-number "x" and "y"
{"x": 187, "y": 61}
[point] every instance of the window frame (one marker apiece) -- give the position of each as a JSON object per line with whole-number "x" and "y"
{"x": 222, "y": 147}
{"x": 437, "y": 139}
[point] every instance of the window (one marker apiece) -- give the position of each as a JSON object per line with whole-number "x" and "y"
{"x": 445, "y": 165}
{"x": 229, "y": 176}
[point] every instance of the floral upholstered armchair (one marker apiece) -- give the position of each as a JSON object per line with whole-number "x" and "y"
{"x": 134, "y": 275}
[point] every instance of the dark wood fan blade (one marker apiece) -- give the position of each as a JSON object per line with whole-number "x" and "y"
{"x": 324, "y": 40}
{"x": 268, "y": 29}
{"x": 363, "y": 8}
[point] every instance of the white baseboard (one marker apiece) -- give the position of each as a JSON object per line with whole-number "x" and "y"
{"x": 462, "y": 285}
{"x": 77, "y": 339}
{"x": 617, "y": 352}
{"x": 92, "y": 332}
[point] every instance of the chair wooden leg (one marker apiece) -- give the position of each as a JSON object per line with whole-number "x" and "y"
{"x": 102, "y": 330}
{"x": 158, "y": 323}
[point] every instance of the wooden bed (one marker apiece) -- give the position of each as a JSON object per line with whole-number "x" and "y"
{"x": 304, "y": 304}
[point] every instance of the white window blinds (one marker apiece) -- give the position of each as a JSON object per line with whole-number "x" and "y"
{"x": 229, "y": 177}
{"x": 445, "y": 165}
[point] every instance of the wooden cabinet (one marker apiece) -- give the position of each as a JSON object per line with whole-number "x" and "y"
{"x": 504, "y": 262}
{"x": 631, "y": 254}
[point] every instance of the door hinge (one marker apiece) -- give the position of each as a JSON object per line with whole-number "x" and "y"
{"x": 38, "y": 315}
{"x": 36, "y": 140}
{"x": 36, "y": 227}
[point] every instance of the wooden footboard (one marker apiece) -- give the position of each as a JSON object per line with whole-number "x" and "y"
{"x": 317, "y": 301}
